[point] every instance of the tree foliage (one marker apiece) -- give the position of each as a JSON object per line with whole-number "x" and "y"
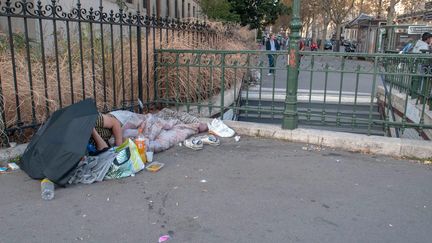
{"x": 218, "y": 10}
{"x": 337, "y": 10}
{"x": 258, "y": 13}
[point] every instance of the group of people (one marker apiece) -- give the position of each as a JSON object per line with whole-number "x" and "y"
{"x": 273, "y": 44}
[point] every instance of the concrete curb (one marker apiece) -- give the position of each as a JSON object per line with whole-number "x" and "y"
{"x": 394, "y": 147}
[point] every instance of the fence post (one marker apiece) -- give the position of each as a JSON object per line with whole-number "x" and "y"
{"x": 3, "y": 135}
{"x": 139, "y": 61}
{"x": 290, "y": 116}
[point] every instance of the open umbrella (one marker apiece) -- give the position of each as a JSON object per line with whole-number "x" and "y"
{"x": 60, "y": 143}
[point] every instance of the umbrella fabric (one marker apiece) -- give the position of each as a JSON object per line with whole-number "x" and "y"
{"x": 60, "y": 143}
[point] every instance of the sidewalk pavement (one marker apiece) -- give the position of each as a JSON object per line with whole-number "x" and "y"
{"x": 256, "y": 190}
{"x": 394, "y": 147}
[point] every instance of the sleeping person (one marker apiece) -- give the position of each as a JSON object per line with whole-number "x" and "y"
{"x": 107, "y": 126}
{"x": 161, "y": 130}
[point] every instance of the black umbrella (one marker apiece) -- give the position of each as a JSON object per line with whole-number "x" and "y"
{"x": 60, "y": 143}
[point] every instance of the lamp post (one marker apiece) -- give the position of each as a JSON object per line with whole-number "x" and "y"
{"x": 290, "y": 116}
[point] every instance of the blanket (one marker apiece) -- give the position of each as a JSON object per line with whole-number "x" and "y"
{"x": 162, "y": 130}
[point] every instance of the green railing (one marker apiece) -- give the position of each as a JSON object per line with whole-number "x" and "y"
{"x": 369, "y": 92}
{"x": 211, "y": 82}
{"x": 411, "y": 73}
{"x": 377, "y": 83}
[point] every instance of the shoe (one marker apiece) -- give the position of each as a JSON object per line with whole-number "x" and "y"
{"x": 218, "y": 128}
{"x": 209, "y": 140}
{"x": 193, "y": 143}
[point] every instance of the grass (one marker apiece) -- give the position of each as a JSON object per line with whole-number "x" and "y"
{"x": 75, "y": 75}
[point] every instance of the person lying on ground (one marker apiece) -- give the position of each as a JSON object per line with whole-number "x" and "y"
{"x": 107, "y": 126}
{"x": 161, "y": 130}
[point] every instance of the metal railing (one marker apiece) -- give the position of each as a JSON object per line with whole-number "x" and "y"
{"x": 351, "y": 90}
{"x": 210, "y": 82}
{"x": 55, "y": 55}
{"x": 411, "y": 75}
{"x": 377, "y": 83}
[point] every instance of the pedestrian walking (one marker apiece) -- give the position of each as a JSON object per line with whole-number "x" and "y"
{"x": 273, "y": 46}
{"x": 424, "y": 44}
{"x": 421, "y": 85}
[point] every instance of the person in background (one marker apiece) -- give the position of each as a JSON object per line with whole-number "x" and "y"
{"x": 272, "y": 45}
{"x": 424, "y": 43}
{"x": 314, "y": 46}
{"x": 280, "y": 40}
{"x": 301, "y": 45}
{"x": 287, "y": 42}
{"x": 418, "y": 83}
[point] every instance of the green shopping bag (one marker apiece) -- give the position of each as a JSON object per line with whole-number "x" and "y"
{"x": 127, "y": 162}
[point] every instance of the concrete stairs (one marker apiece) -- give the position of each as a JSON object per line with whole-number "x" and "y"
{"x": 313, "y": 104}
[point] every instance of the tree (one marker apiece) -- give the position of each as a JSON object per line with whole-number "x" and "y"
{"x": 257, "y": 13}
{"x": 337, "y": 11}
{"x": 411, "y": 6}
{"x": 284, "y": 19}
{"x": 391, "y": 11}
{"x": 218, "y": 10}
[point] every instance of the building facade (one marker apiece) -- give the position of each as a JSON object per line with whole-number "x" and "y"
{"x": 179, "y": 9}
{"x": 422, "y": 15}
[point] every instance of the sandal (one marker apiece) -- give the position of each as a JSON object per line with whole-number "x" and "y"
{"x": 193, "y": 143}
{"x": 209, "y": 140}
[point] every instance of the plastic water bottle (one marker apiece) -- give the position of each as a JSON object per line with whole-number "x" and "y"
{"x": 47, "y": 190}
{"x": 140, "y": 143}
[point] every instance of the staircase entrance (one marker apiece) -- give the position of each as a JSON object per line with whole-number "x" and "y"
{"x": 323, "y": 94}
{"x": 373, "y": 94}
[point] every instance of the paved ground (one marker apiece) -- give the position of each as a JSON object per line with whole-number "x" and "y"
{"x": 256, "y": 191}
{"x": 349, "y": 80}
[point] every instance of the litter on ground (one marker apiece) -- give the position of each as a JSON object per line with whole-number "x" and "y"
{"x": 84, "y": 154}
{"x": 164, "y": 238}
{"x": 13, "y": 166}
{"x": 218, "y": 128}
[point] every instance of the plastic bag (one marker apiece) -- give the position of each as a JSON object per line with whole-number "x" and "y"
{"x": 128, "y": 161}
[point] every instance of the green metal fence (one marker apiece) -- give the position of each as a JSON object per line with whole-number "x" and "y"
{"x": 369, "y": 92}
{"x": 411, "y": 74}
{"x": 211, "y": 82}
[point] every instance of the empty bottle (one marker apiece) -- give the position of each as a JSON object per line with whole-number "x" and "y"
{"x": 47, "y": 190}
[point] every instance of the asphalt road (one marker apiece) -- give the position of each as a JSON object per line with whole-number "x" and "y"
{"x": 255, "y": 191}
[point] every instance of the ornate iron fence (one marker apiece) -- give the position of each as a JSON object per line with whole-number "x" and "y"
{"x": 51, "y": 57}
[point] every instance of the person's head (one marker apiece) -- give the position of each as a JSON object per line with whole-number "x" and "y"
{"x": 273, "y": 36}
{"x": 427, "y": 37}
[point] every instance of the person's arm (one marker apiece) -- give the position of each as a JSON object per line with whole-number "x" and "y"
{"x": 114, "y": 125}
{"x": 99, "y": 142}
